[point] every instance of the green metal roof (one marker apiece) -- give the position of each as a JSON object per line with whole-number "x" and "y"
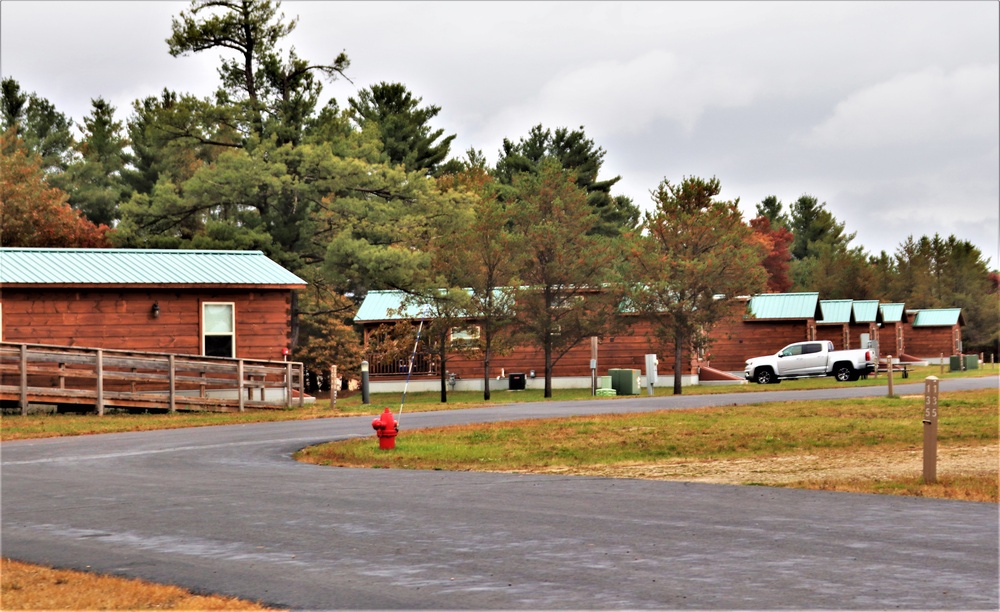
{"x": 769, "y": 306}
{"x": 893, "y": 313}
{"x": 140, "y": 267}
{"x": 836, "y": 311}
{"x": 867, "y": 311}
{"x": 938, "y": 317}
{"x": 386, "y": 306}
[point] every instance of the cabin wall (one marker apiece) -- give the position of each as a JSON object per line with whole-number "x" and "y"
{"x": 856, "y": 329}
{"x": 932, "y": 342}
{"x": 838, "y": 334}
{"x": 735, "y": 340}
{"x": 626, "y": 350}
{"x": 122, "y": 319}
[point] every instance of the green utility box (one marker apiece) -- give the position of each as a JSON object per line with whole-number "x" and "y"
{"x": 971, "y": 362}
{"x": 604, "y": 382}
{"x": 625, "y": 382}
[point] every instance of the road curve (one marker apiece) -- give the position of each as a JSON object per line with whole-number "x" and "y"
{"x": 225, "y": 510}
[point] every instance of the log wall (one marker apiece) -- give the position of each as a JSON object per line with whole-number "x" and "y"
{"x": 122, "y": 319}
{"x": 932, "y": 342}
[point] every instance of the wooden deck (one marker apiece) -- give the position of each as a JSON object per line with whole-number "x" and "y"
{"x": 104, "y": 378}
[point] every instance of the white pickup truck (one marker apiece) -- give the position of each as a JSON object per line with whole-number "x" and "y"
{"x": 809, "y": 359}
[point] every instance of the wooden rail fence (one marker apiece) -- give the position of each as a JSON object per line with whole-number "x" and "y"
{"x": 43, "y": 374}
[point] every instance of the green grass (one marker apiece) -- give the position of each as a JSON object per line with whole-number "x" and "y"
{"x": 14, "y": 427}
{"x": 861, "y": 429}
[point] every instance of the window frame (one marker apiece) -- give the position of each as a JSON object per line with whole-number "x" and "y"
{"x": 232, "y": 322}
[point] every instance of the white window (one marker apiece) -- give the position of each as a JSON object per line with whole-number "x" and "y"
{"x": 218, "y": 325}
{"x": 465, "y": 334}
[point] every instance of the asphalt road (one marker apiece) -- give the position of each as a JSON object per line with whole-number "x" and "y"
{"x": 225, "y": 510}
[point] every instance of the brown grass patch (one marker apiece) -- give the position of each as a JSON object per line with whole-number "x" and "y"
{"x": 970, "y": 473}
{"x": 35, "y": 587}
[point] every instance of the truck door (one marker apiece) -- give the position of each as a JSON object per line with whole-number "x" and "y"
{"x": 813, "y": 358}
{"x": 790, "y": 360}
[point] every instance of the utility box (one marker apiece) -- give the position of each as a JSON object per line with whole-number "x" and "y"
{"x": 516, "y": 382}
{"x": 625, "y": 382}
{"x": 956, "y": 362}
{"x": 604, "y": 382}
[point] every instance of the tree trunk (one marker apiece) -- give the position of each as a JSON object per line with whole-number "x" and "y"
{"x": 678, "y": 359}
{"x": 444, "y": 369}
{"x": 548, "y": 369}
{"x": 486, "y": 371}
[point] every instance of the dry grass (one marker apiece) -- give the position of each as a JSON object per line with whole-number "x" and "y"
{"x": 870, "y": 445}
{"x": 968, "y": 473}
{"x": 34, "y": 587}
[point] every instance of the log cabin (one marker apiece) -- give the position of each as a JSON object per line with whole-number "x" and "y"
{"x": 187, "y": 302}
{"x": 757, "y": 325}
{"x": 933, "y": 333}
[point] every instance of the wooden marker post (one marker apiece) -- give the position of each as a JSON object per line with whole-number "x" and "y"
{"x": 888, "y": 372}
{"x": 930, "y": 429}
{"x": 333, "y": 387}
{"x": 593, "y": 365}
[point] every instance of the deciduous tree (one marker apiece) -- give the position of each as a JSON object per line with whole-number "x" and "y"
{"x": 694, "y": 256}
{"x": 564, "y": 294}
{"x": 776, "y": 240}
{"x": 34, "y": 214}
{"x": 482, "y": 256}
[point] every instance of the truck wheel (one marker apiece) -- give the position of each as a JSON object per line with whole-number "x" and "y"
{"x": 764, "y": 376}
{"x": 844, "y": 372}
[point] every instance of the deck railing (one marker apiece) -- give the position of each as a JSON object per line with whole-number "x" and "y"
{"x": 44, "y": 374}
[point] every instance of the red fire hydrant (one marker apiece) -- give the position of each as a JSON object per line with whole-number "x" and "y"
{"x": 386, "y": 429}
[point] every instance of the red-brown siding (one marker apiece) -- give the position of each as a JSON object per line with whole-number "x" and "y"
{"x": 837, "y": 333}
{"x": 932, "y": 342}
{"x": 122, "y": 318}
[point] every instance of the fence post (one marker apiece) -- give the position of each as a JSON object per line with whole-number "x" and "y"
{"x": 942, "y": 364}
{"x": 172, "y": 377}
{"x": 239, "y": 383}
{"x": 288, "y": 384}
{"x": 930, "y": 429}
{"x": 100, "y": 382}
{"x": 302, "y": 385}
{"x": 24, "y": 380}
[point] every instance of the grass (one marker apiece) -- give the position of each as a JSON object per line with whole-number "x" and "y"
{"x": 17, "y": 427}
{"x": 709, "y": 434}
{"x": 36, "y": 587}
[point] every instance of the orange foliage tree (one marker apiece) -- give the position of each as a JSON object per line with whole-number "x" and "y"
{"x": 777, "y": 240}
{"x": 34, "y": 214}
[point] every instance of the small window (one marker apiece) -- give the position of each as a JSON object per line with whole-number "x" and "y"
{"x": 812, "y": 348}
{"x": 465, "y": 334}
{"x": 218, "y": 324}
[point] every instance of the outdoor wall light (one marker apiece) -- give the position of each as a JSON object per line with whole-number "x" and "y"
{"x": 155, "y": 310}
{"x": 531, "y": 374}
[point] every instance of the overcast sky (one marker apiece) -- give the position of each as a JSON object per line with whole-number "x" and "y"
{"x": 887, "y": 111}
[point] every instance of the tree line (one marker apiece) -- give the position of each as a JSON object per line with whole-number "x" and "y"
{"x": 370, "y": 196}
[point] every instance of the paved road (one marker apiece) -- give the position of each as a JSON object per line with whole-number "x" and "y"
{"x": 225, "y": 510}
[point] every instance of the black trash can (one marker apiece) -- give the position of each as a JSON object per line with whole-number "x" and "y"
{"x": 516, "y": 382}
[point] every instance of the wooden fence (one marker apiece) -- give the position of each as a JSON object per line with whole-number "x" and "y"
{"x": 43, "y": 374}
